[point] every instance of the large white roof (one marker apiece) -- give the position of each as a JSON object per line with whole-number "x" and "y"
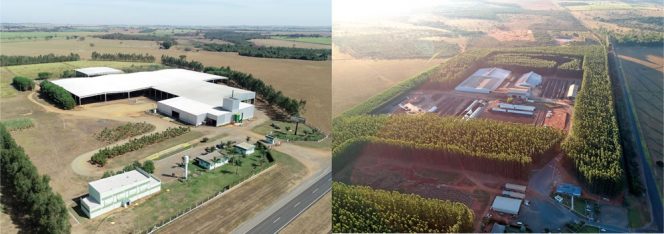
{"x": 204, "y": 92}
{"x": 122, "y": 83}
{"x": 119, "y": 182}
{"x": 484, "y": 80}
{"x": 192, "y": 107}
{"x": 97, "y": 71}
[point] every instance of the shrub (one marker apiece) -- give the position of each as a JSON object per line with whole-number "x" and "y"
{"x": 22, "y": 83}
{"x": 57, "y": 95}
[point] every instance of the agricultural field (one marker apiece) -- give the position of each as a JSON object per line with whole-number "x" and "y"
{"x": 304, "y": 77}
{"x": 643, "y": 69}
{"x": 357, "y": 79}
{"x": 313, "y": 40}
{"x": 37, "y": 36}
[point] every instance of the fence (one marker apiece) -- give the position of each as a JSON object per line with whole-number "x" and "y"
{"x": 201, "y": 203}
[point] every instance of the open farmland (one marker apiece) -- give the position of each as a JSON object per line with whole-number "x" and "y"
{"x": 299, "y": 79}
{"x": 643, "y": 69}
{"x": 313, "y": 40}
{"x": 355, "y": 79}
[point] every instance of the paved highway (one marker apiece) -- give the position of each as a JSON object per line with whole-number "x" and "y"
{"x": 287, "y": 213}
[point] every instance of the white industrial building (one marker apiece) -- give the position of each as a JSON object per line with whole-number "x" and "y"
{"x": 96, "y": 71}
{"x": 118, "y": 191}
{"x": 185, "y": 95}
{"x": 506, "y": 205}
{"x": 530, "y": 79}
{"x": 484, "y": 80}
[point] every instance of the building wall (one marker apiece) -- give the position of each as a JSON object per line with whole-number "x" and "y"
{"x": 184, "y": 116}
{"x": 247, "y": 112}
{"x": 111, "y": 201}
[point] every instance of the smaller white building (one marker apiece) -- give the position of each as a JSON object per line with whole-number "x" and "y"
{"x": 96, "y": 71}
{"x": 197, "y": 113}
{"x": 211, "y": 161}
{"x": 118, "y": 191}
{"x": 245, "y": 148}
{"x": 506, "y": 205}
{"x": 530, "y": 79}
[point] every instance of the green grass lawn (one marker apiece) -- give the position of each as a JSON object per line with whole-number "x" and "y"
{"x": 18, "y": 123}
{"x": 313, "y": 40}
{"x": 178, "y": 196}
{"x": 6, "y": 88}
{"x": 286, "y": 130}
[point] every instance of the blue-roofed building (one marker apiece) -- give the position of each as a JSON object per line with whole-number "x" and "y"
{"x": 569, "y": 189}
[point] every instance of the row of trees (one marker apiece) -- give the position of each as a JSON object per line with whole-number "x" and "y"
{"x": 123, "y": 57}
{"x": 594, "y": 142}
{"x": 363, "y": 209}
{"x": 9, "y": 60}
{"x": 244, "y": 80}
{"x": 100, "y": 158}
{"x": 34, "y": 200}
{"x": 23, "y": 83}
{"x": 482, "y": 138}
{"x": 147, "y": 166}
{"x": 269, "y": 93}
{"x": 57, "y": 95}
{"x": 270, "y": 52}
{"x": 640, "y": 38}
{"x": 124, "y": 131}
{"x": 181, "y": 62}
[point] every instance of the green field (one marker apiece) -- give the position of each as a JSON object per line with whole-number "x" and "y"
{"x": 314, "y": 40}
{"x": 31, "y": 71}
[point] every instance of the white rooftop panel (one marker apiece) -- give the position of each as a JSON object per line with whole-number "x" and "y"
{"x": 119, "y": 182}
{"x": 96, "y": 71}
{"x": 506, "y": 205}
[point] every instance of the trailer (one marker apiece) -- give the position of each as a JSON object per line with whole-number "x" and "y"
{"x": 516, "y": 107}
{"x": 529, "y": 113}
{"x": 496, "y": 109}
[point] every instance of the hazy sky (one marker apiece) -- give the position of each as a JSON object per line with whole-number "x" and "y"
{"x": 171, "y": 12}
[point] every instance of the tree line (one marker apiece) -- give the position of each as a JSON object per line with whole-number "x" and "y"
{"x": 100, "y": 158}
{"x": 123, "y": 57}
{"x": 244, "y": 80}
{"x": 147, "y": 166}
{"x": 57, "y": 95}
{"x": 11, "y": 60}
{"x": 640, "y": 38}
{"x": 364, "y": 209}
{"x": 251, "y": 50}
{"x": 42, "y": 208}
{"x": 181, "y": 62}
{"x": 510, "y": 149}
{"x": 22, "y": 83}
{"x": 138, "y": 37}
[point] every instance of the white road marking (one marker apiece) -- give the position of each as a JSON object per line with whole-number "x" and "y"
{"x": 296, "y": 204}
{"x": 276, "y": 219}
{"x": 315, "y": 190}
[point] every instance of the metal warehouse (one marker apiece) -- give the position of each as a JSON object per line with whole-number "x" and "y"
{"x": 484, "y": 80}
{"x": 185, "y": 95}
{"x": 506, "y": 205}
{"x": 96, "y": 71}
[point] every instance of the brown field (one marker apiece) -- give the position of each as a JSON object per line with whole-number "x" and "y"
{"x": 356, "y": 80}
{"x": 308, "y": 80}
{"x": 389, "y": 167}
{"x": 643, "y": 69}
{"x": 284, "y": 43}
{"x": 513, "y": 35}
{"x": 532, "y": 4}
{"x": 317, "y": 219}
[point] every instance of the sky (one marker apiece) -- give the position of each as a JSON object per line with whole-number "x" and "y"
{"x": 169, "y": 12}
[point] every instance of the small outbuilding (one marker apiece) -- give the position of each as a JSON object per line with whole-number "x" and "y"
{"x": 245, "y": 148}
{"x": 572, "y": 91}
{"x": 506, "y": 205}
{"x": 96, "y": 71}
{"x": 211, "y": 161}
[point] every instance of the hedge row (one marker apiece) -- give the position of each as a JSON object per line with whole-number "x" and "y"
{"x": 23, "y": 83}
{"x": 56, "y": 94}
